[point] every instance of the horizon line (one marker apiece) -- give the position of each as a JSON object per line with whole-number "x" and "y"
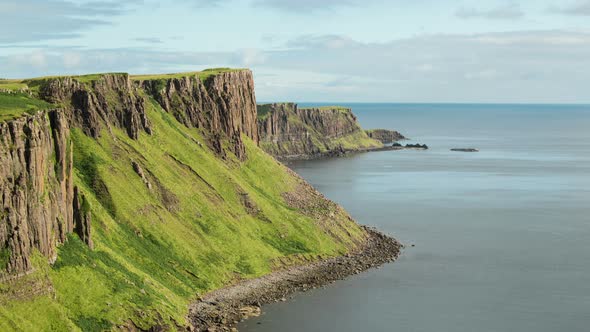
{"x": 334, "y": 103}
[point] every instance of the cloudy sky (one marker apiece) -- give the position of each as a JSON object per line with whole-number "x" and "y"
{"x": 535, "y": 51}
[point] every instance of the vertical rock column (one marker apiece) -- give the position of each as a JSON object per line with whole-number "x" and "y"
{"x": 36, "y": 188}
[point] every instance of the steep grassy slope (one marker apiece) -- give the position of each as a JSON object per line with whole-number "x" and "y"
{"x": 170, "y": 220}
{"x": 287, "y": 131}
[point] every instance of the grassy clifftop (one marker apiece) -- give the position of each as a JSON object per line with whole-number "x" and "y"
{"x": 171, "y": 220}
{"x": 14, "y": 105}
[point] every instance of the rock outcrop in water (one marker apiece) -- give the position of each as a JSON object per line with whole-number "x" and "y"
{"x": 417, "y": 146}
{"x": 287, "y": 131}
{"x": 465, "y": 150}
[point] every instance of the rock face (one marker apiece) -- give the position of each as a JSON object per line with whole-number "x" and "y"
{"x": 40, "y": 204}
{"x": 36, "y": 186}
{"x": 385, "y": 136}
{"x": 223, "y": 105}
{"x": 110, "y": 100}
{"x": 287, "y": 131}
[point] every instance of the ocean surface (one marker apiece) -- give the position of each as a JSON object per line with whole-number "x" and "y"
{"x": 502, "y": 236}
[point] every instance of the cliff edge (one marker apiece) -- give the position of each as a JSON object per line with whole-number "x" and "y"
{"x": 287, "y": 131}
{"x": 123, "y": 198}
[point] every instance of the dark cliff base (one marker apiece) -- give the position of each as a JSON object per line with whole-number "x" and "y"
{"x": 343, "y": 153}
{"x": 221, "y": 310}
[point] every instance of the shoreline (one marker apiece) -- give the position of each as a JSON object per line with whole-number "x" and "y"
{"x": 340, "y": 153}
{"x": 223, "y": 309}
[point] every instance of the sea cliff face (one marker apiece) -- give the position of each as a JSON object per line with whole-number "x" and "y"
{"x": 289, "y": 132}
{"x": 40, "y": 203}
{"x": 385, "y": 136}
{"x": 125, "y": 197}
{"x": 36, "y": 186}
{"x": 223, "y": 103}
{"x": 107, "y": 101}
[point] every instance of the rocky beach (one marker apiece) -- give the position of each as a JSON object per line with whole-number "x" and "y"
{"x": 223, "y": 309}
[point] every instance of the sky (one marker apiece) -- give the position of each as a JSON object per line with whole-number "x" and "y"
{"x": 486, "y": 51}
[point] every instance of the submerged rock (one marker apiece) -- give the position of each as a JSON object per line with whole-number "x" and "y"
{"x": 417, "y": 146}
{"x": 465, "y": 150}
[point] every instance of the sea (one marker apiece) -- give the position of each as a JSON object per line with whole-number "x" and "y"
{"x": 501, "y": 236}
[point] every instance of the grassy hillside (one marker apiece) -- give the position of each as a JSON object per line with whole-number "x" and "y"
{"x": 14, "y": 105}
{"x": 193, "y": 224}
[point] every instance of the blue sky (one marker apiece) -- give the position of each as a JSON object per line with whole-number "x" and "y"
{"x": 346, "y": 50}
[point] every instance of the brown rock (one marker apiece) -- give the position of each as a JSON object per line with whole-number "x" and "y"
{"x": 385, "y": 135}
{"x": 224, "y": 105}
{"x": 289, "y": 132}
{"x": 36, "y": 188}
{"x": 82, "y": 217}
{"x": 110, "y": 100}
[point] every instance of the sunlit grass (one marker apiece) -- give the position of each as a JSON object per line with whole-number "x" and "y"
{"x": 13, "y": 105}
{"x": 157, "y": 249}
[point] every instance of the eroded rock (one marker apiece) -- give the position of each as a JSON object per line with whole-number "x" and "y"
{"x": 36, "y": 187}
{"x": 223, "y": 105}
{"x": 385, "y": 136}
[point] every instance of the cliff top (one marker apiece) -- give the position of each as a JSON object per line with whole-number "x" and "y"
{"x": 34, "y": 83}
{"x": 20, "y": 96}
{"x": 265, "y": 109}
{"x": 202, "y": 75}
{"x": 14, "y": 105}
{"x": 327, "y": 108}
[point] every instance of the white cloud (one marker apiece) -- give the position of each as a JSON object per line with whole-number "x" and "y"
{"x": 71, "y": 60}
{"x": 557, "y": 38}
{"x": 507, "y": 12}
{"x": 579, "y": 8}
{"x": 38, "y": 20}
{"x": 532, "y": 66}
{"x": 307, "y": 6}
{"x": 539, "y": 66}
{"x": 486, "y": 74}
{"x": 251, "y": 57}
{"x": 37, "y": 59}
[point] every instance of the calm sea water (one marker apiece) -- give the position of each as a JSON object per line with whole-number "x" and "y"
{"x": 502, "y": 236}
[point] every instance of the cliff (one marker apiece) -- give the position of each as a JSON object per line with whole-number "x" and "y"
{"x": 124, "y": 197}
{"x": 385, "y": 136}
{"x": 38, "y": 195}
{"x": 223, "y": 103}
{"x": 36, "y": 187}
{"x": 287, "y": 131}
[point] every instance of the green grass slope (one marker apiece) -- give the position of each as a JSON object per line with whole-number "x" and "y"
{"x": 204, "y": 223}
{"x": 14, "y": 105}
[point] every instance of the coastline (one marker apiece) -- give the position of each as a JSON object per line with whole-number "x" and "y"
{"x": 339, "y": 153}
{"x": 222, "y": 309}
